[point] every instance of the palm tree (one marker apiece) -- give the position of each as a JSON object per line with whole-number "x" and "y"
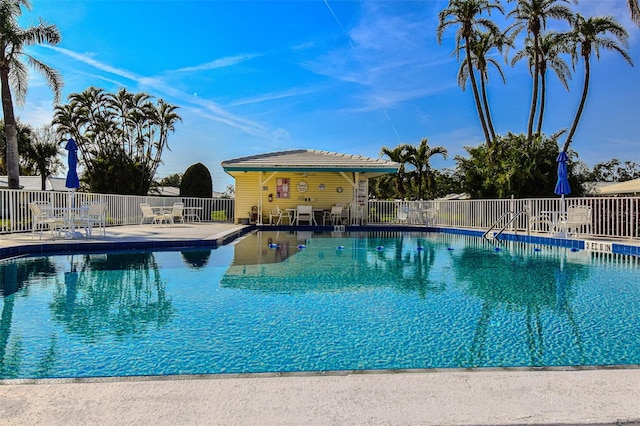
{"x": 551, "y": 45}
{"x": 419, "y": 157}
{"x": 634, "y": 9}
{"x": 398, "y": 154}
{"x": 588, "y": 35}
{"x": 41, "y": 154}
{"x": 14, "y": 73}
{"x": 481, "y": 45}
{"x": 466, "y": 14}
{"x": 533, "y": 15}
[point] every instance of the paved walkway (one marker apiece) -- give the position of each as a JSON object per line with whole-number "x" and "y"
{"x": 432, "y": 397}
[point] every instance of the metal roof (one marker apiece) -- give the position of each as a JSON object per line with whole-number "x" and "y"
{"x": 628, "y": 187}
{"x": 301, "y": 160}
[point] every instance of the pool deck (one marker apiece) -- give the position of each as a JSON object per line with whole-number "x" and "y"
{"x": 425, "y": 397}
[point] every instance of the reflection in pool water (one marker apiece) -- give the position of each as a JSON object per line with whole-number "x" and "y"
{"x": 278, "y": 301}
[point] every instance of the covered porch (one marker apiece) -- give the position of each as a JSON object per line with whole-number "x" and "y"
{"x": 283, "y": 181}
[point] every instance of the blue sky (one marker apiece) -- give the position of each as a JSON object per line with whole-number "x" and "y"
{"x": 346, "y": 76}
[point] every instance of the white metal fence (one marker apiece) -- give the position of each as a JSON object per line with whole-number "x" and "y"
{"x": 612, "y": 217}
{"x": 121, "y": 209}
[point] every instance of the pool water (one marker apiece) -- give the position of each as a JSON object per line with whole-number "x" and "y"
{"x": 283, "y": 302}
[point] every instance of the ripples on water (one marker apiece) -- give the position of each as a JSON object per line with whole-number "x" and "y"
{"x": 275, "y": 302}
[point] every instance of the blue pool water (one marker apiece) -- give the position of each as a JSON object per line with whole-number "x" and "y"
{"x": 281, "y": 302}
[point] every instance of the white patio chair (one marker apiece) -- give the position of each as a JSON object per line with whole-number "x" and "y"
{"x": 42, "y": 216}
{"x": 578, "y": 218}
{"x": 94, "y": 214}
{"x": 177, "y": 213}
{"x": 335, "y": 215}
{"x": 275, "y": 212}
{"x": 148, "y": 213}
{"x": 402, "y": 214}
{"x": 431, "y": 214}
{"x": 358, "y": 214}
{"x": 305, "y": 214}
{"x": 539, "y": 223}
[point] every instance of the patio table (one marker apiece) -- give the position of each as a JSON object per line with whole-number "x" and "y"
{"x": 71, "y": 215}
{"x": 192, "y": 213}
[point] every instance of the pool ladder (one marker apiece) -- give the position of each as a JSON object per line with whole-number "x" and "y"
{"x": 487, "y": 235}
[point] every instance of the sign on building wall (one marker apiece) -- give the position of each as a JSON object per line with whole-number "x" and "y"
{"x": 282, "y": 188}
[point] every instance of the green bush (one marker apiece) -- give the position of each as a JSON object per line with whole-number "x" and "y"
{"x": 196, "y": 182}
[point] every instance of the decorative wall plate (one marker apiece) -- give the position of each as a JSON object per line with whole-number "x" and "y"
{"x": 302, "y": 186}
{"x": 339, "y": 189}
{"x": 321, "y": 187}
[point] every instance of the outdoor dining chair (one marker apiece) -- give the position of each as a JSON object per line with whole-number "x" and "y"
{"x": 305, "y": 214}
{"x": 43, "y": 217}
{"x": 176, "y": 214}
{"x": 334, "y": 216}
{"x": 91, "y": 215}
{"x": 578, "y": 219}
{"x": 275, "y": 213}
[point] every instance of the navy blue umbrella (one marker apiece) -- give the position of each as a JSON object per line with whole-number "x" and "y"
{"x": 562, "y": 186}
{"x": 72, "y": 175}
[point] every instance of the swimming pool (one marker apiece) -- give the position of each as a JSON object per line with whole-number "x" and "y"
{"x": 291, "y": 302}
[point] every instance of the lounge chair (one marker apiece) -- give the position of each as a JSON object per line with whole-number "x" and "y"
{"x": 42, "y": 216}
{"x": 148, "y": 213}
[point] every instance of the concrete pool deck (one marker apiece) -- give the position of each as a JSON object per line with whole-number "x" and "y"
{"x": 425, "y": 397}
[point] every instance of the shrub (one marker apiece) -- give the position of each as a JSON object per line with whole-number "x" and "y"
{"x": 196, "y": 182}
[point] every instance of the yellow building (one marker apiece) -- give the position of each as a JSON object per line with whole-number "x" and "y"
{"x": 288, "y": 179}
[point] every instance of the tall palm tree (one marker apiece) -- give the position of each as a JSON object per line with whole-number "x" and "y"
{"x": 481, "y": 45}
{"x": 588, "y": 35}
{"x": 550, "y": 46}
{"x": 467, "y": 15}
{"x": 419, "y": 157}
{"x": 14, "y": 73}
{"x": 398, "y": 154}
{"x": 533, "y": 15}
{"x": 634, "y": 9}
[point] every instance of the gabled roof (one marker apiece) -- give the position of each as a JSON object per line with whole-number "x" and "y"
{"x": 302, "y": 160}
{"x": 34, "y": 183}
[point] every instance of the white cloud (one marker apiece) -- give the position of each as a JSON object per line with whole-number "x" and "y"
{"x": 204, "y": 107}
{"x": 218, "y": 63}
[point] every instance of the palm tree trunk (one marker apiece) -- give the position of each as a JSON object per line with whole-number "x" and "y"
{"x": 534, "y": 96}
{"x": 485, "y": 102}
{"x": 11, "y": 132}
{"x": 543, "y": 98}
{"x": 476, "y": 96}
{"x": 583, "y": 99}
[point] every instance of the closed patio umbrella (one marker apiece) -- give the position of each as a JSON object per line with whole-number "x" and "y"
{"x": 562, "y": 186}
{"x": 72, "y": 174}
{"x": 72, "y": 181}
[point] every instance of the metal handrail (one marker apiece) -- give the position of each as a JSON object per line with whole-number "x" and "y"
{"x": 509, "y": 222}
